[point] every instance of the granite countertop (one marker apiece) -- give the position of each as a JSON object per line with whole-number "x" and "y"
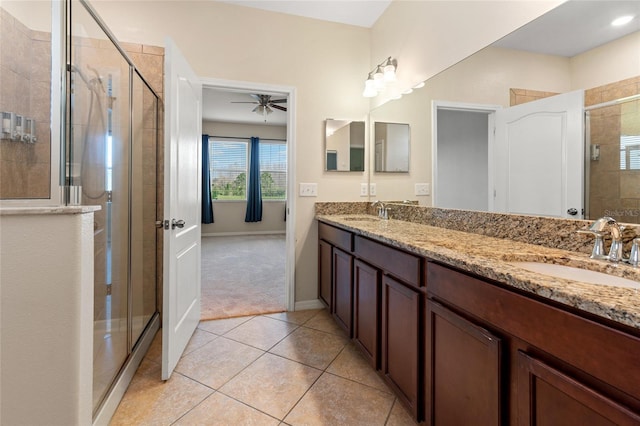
{"x": 489, "y": 257}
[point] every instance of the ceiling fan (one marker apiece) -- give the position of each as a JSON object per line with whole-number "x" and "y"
{"x": 265, "y": 103}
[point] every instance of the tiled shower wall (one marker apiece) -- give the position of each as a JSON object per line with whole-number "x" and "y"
{"x": 25, "y": 89}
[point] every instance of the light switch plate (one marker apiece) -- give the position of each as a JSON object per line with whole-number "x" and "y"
{"x": 372, "y": 189}
{"x": 364, "y": 189}
{"x": 308, "y": 189}
{"x": 422, "y": 189}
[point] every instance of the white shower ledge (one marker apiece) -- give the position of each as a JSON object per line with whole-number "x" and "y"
{"x": 47, "y": 210}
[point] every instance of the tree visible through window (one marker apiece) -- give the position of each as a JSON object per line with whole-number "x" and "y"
{"x": 228, "y": 161}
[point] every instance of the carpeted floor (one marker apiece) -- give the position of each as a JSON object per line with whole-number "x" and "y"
{"x": 242, "y": 275}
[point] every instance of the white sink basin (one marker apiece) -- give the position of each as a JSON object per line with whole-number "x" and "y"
{"x": 577, "y": 274}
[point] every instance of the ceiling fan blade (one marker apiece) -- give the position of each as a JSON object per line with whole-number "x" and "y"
{"x": 256, "y": 97}
{"x": 281, "y": 108}
{"x": 238, "y": 102}
{"x": 278, "y": 101}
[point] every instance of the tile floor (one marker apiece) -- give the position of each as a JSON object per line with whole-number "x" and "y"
{"x": 291, "y": 368}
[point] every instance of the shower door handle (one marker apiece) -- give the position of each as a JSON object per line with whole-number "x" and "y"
{"x": 177, "y": 224}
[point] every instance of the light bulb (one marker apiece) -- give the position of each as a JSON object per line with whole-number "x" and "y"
{"x": 369, "y": 89}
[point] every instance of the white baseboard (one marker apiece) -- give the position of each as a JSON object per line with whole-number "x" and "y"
{"x": 233, "y": 234}
{"x": 309, "y": 304}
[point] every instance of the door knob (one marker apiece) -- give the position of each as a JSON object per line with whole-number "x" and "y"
{"x": 177, "y": 224}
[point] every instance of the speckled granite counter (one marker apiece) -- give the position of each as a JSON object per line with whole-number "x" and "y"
{"x": 490, "y": 256}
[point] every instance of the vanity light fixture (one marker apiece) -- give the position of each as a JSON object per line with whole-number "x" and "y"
{"x": 384, "y": 73}
{"x": 622, "y": 20}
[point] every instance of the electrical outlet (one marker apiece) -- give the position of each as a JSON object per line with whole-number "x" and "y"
{"x": 422, "y": 189}
{"x": 364, "y": 189}
{"x": 308, "y": 189}
{"x": 372, "y": 189}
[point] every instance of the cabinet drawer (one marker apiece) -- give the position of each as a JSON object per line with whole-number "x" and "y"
{"x": 335, "y": 236}
{"x": 398, "y": 263}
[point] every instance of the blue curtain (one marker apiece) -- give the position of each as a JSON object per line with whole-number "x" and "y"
{"x": 207, "y": 204}
{"x": 254, "y": 193}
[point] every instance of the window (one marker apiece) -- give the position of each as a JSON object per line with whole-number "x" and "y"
{"x": 229, "y": 161}
{"x": 630, "y": 152}
{"x": 273, "y": 170}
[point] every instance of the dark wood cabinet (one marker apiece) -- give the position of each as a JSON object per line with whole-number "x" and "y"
{"x": 558, "y": 367}
{"x": 463, "y": 371}
{"x": 366, "y": 310}
{"x": 325, "y": 273}
{"x": 547, "y": 396}
{"x": 401, "y": 342}
{"x": 343, "y": 289}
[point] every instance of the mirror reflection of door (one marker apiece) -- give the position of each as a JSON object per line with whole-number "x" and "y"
{"x": 392, "y": 141}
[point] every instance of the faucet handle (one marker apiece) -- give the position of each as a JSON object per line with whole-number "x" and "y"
{"x": 598, "y": 244}
{"x": 634, "y": 257}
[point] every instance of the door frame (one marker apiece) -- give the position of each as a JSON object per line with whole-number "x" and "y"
{"x": 469, "y": 107}
{"x": 290, "y": 93}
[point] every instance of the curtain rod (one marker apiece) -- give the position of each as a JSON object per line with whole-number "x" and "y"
{"x": 239, "y": 137}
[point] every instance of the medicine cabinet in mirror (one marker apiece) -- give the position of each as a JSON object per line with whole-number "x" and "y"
{"x": 344, "y": 145}
{"x": 391, "y": 147}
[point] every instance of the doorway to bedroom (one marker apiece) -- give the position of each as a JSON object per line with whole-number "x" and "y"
{"x": 244, "y": 248}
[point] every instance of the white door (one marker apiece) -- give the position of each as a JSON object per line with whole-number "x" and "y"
{"x": 182, "y": 194}
{"x": 538, "y": 160}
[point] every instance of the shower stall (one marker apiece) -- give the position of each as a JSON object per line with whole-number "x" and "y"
{"x": 110, "y": 160}
{"x": 612, "y": 187}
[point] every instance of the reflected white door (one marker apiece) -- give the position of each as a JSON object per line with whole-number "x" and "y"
{"x": 182, "y": 194}
{"x": 538, "y": 159}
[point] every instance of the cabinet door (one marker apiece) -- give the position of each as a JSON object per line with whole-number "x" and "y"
{"x": 463, "y": 370}
{"x": 400, "y": 342}
{"x": 547, "y": 396}
{"x": 343, "y": 289}
{"x": 366, "y": 329}
{"x": 324, "y": 273}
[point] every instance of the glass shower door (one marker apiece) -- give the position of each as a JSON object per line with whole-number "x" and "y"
{"x": 98, "y": 167}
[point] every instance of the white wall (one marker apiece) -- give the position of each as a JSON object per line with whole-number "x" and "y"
{"x": 326, "y": 63}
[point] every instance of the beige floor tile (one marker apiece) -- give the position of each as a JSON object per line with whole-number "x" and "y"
{"x": 155, "y": 350}
{"x": 333, "y": 400}
{"x": 221, "y": 410}
{"x": 222, "y": 326}
{"x": 151, "y": 401}
{"x": 261, "y": 332}
{"x": 400, "y": 416}
{"x": 296, "y": 317}
{"x": 323, "y": 321}
{"x": 217, "y": 362}
{"x": 351, "y": 365}
{"x": 271, "y": 384}
{"x": 198, "y": 339}
{"x": 310, "y": 347}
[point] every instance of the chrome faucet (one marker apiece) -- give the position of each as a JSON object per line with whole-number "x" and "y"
{"x": 383, "y": 211}
{"x": 597, "y": 229}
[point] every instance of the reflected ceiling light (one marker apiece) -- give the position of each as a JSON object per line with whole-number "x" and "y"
{"x": 384, "y": 73}
{"x": 622, "y": 20}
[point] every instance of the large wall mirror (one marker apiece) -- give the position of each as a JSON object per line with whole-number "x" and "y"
{"x": 344, "y": 145}
{"x": 570, "y": 48}
{"x": 391, "y": 147}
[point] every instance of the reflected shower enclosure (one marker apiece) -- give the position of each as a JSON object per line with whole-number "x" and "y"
{"x": 613, "y": 160}
{"x": 110, "y": 161}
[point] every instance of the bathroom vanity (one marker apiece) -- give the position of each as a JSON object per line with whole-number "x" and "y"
{"x": 465, "y": 336}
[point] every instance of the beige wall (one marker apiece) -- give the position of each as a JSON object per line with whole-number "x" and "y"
{"x": 326, "y": 63}
{"x": 427, "y": 37}
{"x": 229, "y": 215}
